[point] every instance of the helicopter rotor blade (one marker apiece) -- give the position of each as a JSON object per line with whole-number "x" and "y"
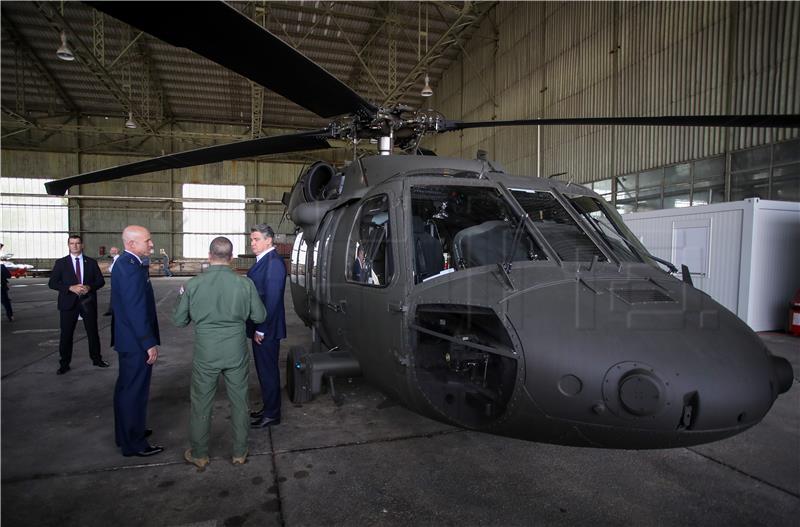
{"x": 278, "y": 144}
{"x": 223, "y": 35}
{"x": 748, "y": 121}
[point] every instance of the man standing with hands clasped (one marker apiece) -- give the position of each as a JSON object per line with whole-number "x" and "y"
{"x": 269, "y": 276}
{"x": 77, "y": 278}
{"x": 136, "y": 340}
{"x": 219, "y": 302}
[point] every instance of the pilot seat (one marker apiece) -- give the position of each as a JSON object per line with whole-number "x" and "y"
{"x": 428, "y": 254}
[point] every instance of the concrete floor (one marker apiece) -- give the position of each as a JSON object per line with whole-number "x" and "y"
{"x": 368, "y": 462}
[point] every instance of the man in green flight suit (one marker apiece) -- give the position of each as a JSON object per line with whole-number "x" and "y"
{"x": 219, "y": 302}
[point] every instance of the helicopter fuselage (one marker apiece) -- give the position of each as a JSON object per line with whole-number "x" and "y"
{"x": 522, "y": 307}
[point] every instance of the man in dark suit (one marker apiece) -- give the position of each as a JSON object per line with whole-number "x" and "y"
{"x": 136, "y": 340}
{"x": 77, "y": 278}
{"x": 6, "y": 300}
{"x": 269, "y": 276}
{"x": 359, "y": 266}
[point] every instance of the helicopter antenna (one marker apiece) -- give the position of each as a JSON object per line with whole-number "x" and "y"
{"x": 482, "y": 156}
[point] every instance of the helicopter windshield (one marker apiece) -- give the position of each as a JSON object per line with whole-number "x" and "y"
{"x": 564, "y": 235}
{"x": 456, "y": 227}
{"x": 609, "y": 226}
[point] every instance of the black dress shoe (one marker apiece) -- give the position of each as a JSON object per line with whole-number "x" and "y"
{"x": 257, "y": 415}
{"x": 62, "y": 370}
{"x": 101, "y": 364}
{"x": 265, "y": 422}
{"x": 149, "y": 451}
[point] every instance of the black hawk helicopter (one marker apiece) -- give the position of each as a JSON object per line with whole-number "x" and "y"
{"x": 511, "y": 305}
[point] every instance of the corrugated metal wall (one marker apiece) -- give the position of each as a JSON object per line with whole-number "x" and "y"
{"x": 101, "y": 222}
{"x": 570, "y": 59}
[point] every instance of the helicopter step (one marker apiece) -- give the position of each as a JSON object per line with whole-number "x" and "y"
{"x": 305, "y": 371}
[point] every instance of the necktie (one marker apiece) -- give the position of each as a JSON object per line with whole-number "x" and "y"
{"x": 78, "y": 270}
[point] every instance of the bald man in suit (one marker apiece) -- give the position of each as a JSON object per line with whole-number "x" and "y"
{"x": 136, "y": 339}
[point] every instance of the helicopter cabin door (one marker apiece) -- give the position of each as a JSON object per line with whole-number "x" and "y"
{"x": 372, "y": 293}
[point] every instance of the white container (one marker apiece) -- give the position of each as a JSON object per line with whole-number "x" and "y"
{"x": 744, "y": 254}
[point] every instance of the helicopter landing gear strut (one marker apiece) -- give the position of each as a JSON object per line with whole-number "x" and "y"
{"x": 304, "y": 372}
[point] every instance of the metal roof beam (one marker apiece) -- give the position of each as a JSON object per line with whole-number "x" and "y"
{"x": 19, "y": 118}
{"x": 471, "y": 15}
{"x": 302, "y": 8}
{"x": 22, "y": 44}
{"x": 24, "y": 124}
{"x": 86, "y": 56}
{"x": 358, "y": 54}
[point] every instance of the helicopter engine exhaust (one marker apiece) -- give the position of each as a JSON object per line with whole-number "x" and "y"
{"x": 320, "y": 181}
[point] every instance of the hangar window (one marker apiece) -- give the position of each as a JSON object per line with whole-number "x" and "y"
{"x": 213, "y": 210}
{"x": 34, "y": 225}
{"x": 602, "y": 187}
{"x": 769, "y": 171}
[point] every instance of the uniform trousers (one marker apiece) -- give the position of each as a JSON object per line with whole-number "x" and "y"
{"x": 202, "y": 392}
{"x": 266, "y": 358}
{"x": 130, "y": 402}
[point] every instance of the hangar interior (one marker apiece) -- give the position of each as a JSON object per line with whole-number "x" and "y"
{"x": 125, "y": 96}
{"x": 484, "y": 60}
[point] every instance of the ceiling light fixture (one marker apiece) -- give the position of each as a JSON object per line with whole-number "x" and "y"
{"x": 427, "y": 91}
{"x": 64, "y": 52}
{"x": 130, "y": 123}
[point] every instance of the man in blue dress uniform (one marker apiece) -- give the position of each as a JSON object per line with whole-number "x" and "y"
{"x": 269, "y": 276}
{"x": 136, "y": 340}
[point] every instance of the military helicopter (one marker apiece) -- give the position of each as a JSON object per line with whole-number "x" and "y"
{"x": 512, "y": 305}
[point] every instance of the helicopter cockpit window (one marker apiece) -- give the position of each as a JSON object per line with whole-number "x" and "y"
{"x": 298, "y": 266}
{"x": 455, "y": 227}
{"x": 444, "y": 172}
{"x": 369, "y": 250}
{"x": 564, "y": 235}
{"x": 610, "y": 227}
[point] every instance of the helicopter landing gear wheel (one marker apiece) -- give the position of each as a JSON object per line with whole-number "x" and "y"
{"x": 298, "y": 382}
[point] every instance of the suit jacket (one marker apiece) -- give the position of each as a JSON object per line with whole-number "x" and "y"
{"x": 63, "y": 276}
{"x": 358, "y": 271}
{"x": 134, "y": 306}
{"x": 269, "y": 276}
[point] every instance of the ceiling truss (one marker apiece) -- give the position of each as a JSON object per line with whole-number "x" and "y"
{"x": 181, "y": 100}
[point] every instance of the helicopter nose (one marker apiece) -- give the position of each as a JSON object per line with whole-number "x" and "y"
{"x": 783, "y": 373}
{"x": 676, "y": 373}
